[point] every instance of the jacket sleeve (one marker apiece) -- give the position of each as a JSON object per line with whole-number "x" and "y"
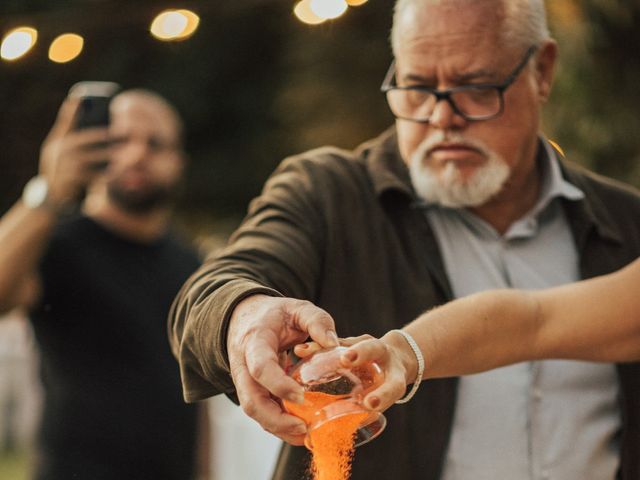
{"x": 276, "y": 251}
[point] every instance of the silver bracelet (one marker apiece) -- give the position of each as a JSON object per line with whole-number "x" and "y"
{"x": 414, "y": 346}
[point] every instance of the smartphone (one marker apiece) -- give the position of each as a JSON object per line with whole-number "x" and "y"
{"x": 93, "y": 110}
{"x": 95, "y": 97}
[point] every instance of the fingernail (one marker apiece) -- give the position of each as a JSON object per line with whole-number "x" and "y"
{"x": 333, "y": 338}
{"x": 299, "y": 430}
{"x": 351, "y": 355}
{"x": 374, "y": 402}
{"x": 303, "y": 346}
{"x": 296, "y": 397}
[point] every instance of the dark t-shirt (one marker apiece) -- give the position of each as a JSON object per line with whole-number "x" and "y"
{"x": 113, "y": 401}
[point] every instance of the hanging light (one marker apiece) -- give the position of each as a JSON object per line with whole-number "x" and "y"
{"x": 174, "y": 25}
{"x": 18, "y": 42}
{"x": 328, "y": 9}
{"x": 65, "y": 47}
{"x": 355, "y": 3}
{"x": 303, "y": 11}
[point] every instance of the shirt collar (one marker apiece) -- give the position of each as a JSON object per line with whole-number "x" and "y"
{"x": 389, "y": 174}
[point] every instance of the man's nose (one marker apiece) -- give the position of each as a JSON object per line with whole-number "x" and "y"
{"x": 444, "y": 117}
{"x": 136, "y": 150}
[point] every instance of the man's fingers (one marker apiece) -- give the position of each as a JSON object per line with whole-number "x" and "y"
{"x": 66, "y": 116}
{"x": 88, "y": 139}
{"x": 264, "y": 367}
{"x": 317, "y": 323}
{"x": 89, "y": 161}
{"x": 259, "y": 405}
{"x": 307, "y": 349}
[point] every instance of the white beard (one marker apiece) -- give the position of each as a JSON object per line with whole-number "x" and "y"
{"x": 447, "y": 187}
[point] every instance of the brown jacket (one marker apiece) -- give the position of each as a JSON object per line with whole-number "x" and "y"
{"x": 342, "y": 229}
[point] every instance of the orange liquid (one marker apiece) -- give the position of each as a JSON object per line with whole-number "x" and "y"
{"x": 332, "y": 443}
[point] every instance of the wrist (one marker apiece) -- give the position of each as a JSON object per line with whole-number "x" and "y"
{"x": 245, "y": 306}
{"x": 38, "y": 195}
{"x": 414, "y": 370}
{"x": 404, "y": 352}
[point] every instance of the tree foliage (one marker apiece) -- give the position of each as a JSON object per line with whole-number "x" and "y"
{"x": 255, "y": 85}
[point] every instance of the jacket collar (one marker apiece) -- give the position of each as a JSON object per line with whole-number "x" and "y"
{"x": 389, "y": 173}
{"x": 589, "y": 213}
{"x": 386, "y": 168}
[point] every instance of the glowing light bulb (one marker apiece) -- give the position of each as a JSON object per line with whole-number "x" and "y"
{"x": 328, "y": 9}
{"x": 304, "y": 13}
{"x": 174, "y": 25}
{"x": 65, "y": 47}
{"x": 355, "y": 3}
{"x": 18, "y": 42}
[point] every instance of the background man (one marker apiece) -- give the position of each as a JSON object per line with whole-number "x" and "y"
{"x": 464, "y": 194}
{"x": 99, "y": 286}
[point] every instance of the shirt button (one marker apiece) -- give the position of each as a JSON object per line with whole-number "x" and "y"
{"x": 537, "y": 394}
{"x": 545, "y": 474}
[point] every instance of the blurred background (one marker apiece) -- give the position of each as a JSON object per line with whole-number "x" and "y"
{"x": 255, "y": 83}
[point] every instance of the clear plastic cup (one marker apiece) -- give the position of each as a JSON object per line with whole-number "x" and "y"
{"x": 333, "y": 391}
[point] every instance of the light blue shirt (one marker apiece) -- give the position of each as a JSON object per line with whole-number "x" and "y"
{"x": 531, "y": 421}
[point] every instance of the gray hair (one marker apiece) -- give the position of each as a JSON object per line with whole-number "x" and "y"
{"x": 525, "y": 21}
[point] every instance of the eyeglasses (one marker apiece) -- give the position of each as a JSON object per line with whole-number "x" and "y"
{"x": 482, "y": 101}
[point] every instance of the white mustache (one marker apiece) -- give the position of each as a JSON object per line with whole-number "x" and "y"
{"x": 441, "y": 138}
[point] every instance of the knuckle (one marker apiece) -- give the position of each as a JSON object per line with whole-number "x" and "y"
{"x": 271, "y": 427}
{"x": 256, "y": 369}
{"x": 249, "y": 408}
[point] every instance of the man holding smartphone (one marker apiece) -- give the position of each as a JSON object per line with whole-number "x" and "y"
{"x": 98, "y": 284}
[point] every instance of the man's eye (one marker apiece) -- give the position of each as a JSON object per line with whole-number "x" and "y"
{"x": 118, "y": 141}
{"x": 155, "y": 144}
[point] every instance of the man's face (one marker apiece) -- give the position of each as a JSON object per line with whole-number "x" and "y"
{"x": 454, "y": 161}
{"x": 146, "y": 162}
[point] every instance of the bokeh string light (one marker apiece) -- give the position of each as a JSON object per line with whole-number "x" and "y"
{"x": 65, "y": 48}
{"x": 18, "y": 42}
{"x": 174, "y": 25}
{"x": 169, "y": 25}
{"x": 303, "y": 11}
{"x": 328, "y": 9}
{"x": 315, "y": 12}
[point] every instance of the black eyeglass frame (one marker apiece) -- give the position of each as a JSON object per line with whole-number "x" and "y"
{"x": 389, "y": 84}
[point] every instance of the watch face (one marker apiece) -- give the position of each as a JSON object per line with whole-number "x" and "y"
{"x": 35, "y": 192}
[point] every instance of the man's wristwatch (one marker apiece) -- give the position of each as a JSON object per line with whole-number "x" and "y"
{"x": 36, "y": 194}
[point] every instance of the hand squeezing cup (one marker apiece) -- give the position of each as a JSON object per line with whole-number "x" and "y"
{"x": 333, "y": 392}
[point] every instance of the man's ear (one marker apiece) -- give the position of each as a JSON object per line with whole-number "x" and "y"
{"x": 545, "y": 65}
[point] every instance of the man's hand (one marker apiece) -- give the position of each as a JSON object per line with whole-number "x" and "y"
{"x": 261, "y": 328}
{"x": 69, "y": 158}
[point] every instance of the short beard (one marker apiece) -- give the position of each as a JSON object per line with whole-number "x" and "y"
{"x": 446, "y": 187}
{"x": 140, "y": 202}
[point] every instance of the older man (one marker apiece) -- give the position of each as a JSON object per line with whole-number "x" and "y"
{"x": 99, "y": 286}
{"x": 464, "y": 194}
